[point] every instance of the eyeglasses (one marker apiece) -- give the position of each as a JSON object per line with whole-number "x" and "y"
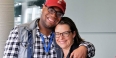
{"x": 51, "y": 10}
{"x": 65, "y": 34}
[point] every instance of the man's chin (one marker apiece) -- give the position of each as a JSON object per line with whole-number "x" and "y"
{"x": 51, "y": 26}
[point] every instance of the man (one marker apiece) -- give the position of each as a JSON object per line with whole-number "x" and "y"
{"x": 35, "y": 39}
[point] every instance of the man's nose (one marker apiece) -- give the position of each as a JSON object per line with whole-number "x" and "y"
{"x": 54, "y": 15}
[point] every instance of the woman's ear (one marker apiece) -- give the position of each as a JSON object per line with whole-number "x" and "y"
{"x": 74, "y": 34}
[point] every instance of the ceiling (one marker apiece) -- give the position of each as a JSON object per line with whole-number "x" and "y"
{"x": 30, "y": 2}
{"x": 18, "y": 8}
{"x": 20, "y": 1}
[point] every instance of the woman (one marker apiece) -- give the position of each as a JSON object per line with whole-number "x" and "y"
{"x": 67, "y": 36}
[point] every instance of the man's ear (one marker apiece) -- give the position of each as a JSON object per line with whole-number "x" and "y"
{"x": 43, "y": 6}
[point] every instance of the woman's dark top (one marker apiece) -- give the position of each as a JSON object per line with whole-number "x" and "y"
{"x": 73, "y": 47}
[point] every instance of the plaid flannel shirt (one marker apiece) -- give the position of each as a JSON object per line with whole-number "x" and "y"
{"x": 12, "y": 46}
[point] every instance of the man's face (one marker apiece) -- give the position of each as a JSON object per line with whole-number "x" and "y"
{"x": 51, "y": 16}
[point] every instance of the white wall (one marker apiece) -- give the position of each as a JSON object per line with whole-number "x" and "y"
{"x": 95, "y": 20}
{"x": 6, "y": 21}
{"x": 105, "y": 43}
{"x": 93, "y": 15}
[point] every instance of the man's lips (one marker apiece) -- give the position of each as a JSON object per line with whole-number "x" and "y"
{"x": 51, "y": 20}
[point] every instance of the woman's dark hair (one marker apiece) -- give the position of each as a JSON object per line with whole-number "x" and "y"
{"x": 71, "y": 24}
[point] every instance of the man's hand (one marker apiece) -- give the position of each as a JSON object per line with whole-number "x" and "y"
{"x": 80, "y": 52}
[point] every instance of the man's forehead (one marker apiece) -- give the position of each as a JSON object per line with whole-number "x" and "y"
{"x": 56, "y": 8}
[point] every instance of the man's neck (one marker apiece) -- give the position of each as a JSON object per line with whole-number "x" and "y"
{"x": 43, "y": 30}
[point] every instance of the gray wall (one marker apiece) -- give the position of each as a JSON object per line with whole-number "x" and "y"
{"x": 95, "y": 20}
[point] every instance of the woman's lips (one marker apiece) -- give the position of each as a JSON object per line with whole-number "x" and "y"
{"x": 62, "y": 42}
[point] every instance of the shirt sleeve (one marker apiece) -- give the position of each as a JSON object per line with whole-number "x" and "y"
{"x": 12, "y": 44}
{"x": 90, "y": 47}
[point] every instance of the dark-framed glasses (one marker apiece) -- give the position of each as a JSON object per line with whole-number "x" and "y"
{"x": 64, "y": 34}
{"x": 51, "y": 10}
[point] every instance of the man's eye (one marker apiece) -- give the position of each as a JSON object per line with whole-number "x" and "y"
{"x": 59, "y": 14}
{"x": 51, "y": 10}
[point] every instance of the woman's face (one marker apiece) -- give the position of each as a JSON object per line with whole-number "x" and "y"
{"x": 63, "y": 35}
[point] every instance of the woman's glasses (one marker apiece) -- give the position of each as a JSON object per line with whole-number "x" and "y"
{"x": 64, "y": 34}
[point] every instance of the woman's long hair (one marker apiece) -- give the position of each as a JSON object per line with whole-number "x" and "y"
{"x": 71, "y": 24}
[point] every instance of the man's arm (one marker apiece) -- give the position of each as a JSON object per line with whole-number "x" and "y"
{"x": 90, "y": 48}
{"x": 12, "y": 45}
{"x": 85, "y": 49}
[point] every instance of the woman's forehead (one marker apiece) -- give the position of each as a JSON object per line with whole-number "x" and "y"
{"x": 63, "y": 27}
